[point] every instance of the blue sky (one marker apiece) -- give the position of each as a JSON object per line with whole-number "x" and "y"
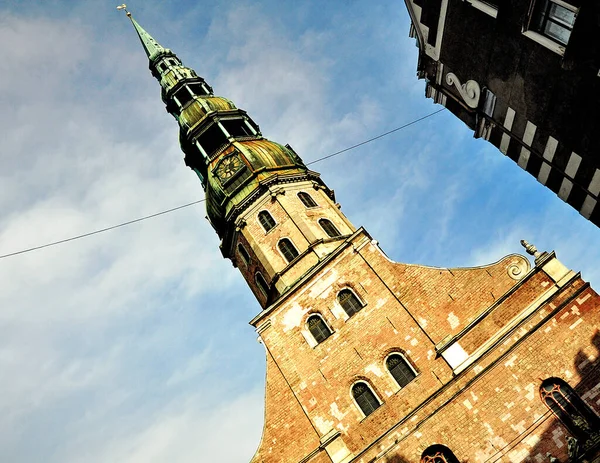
{"x": 134, "y": 345}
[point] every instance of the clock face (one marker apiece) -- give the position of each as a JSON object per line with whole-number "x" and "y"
{"x": 228, "y": 167}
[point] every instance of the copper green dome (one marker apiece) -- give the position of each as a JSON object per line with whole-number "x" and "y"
{"x": 244, "y": 169}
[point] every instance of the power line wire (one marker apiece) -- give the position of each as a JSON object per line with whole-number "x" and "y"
{"x": 140, "y": 219}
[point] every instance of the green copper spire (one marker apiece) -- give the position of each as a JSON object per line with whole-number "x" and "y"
{"x": 152, "y": 47}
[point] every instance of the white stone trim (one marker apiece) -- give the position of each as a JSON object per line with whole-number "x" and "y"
{"x": 565, "y": 189}
{"x": 588, "y": 206}
{"x": 508, "y": 123}
{"x": 573, "y": 165}
{"x": 485, "y": 7}
{"x": 545, "y": 41}
{"x": 594, "y": 187}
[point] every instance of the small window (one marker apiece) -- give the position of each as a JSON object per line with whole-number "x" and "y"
{"x": 554, "y": 19}
{"x": 365, "y": 398}
{"x": 243, "y": 254}
{"x": 307, "y": 199}
{"x": 212, "y": 138}
{"x": 318, "y": 328}
{"x": 262, "y": 284}
{"x": 329, "y": 228}
{"x": 349, "y": 302}
{"x": 266, "y": 220}
{"x": 288, "y": 250}
{"x": 569, "y": 408}
{"x": 438, "y": 454}
{"x": 197, "y": 88}
{"x": 184, "y": 96}
{"x": 400, "y": 370}
{"x": 237, "y": 128}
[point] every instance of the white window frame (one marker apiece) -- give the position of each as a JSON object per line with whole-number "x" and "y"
{"x": 485, "y": 7}
{"x": 547, "y": 42}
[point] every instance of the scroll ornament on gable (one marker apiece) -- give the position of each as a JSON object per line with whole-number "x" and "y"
{"x": 469, "y": 91}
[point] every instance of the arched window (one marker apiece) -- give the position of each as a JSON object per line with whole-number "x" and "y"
{"x": 365, "y": 398}
{"x": 243, "y": 253}
{"x": 329, "y": 228}
{"x": 262, "y": 284}
{"x": 400, "y": 369}
{"x": 288, "y": 250}
{"x": 318, "y": 328}
{"x": 307, "y": 199}
{"x": 349, "y": 302}
{"x": 566, "y": 404}
{"x": 438, "y": 454}
{"x": 266, "y": 220}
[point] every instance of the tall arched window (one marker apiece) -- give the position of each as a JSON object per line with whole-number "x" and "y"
{"x": 266, "y": 220}
{"x": 307, "y": 199}
{"x": 329, "y": 228}
{"x": 243, "y": 253}
{"x": 262, "y": 284}
{"x": 438, "y": 454}
{"x": 365, "y": 398}
{"x": 400, "y": 369}
{"x": 318, "y": 328}
{"x": 349, "y": 302}
{"x": 288, "y": 250}
{"x": 566, "y": 404}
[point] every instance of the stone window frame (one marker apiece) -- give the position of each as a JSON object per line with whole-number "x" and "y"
{"x": 544, "y": 40}
{"x": 369, "y": 386}
{"x": 312, "y": 315}
{"x": 243, "y": 253}
{"x": 324, "y": 219}
{"x": 294, "y": 247}
{"x": 348, "y": 288}
{"x": 408, "y": 362}
{"x": 310, "y": 200}
{"x": 265, "y": 211}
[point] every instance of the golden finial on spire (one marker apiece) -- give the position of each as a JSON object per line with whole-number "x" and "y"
{"x": 124, "y": 7}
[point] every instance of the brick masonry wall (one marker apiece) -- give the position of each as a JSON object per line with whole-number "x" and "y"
{"x": 407, "y": 310}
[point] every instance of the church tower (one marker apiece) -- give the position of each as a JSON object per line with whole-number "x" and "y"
{"x": 370, "y": 360}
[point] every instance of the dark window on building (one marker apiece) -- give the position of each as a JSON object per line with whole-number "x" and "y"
{"x": 329, "y": 228}
{"x": 184, "y": 96}
{"x": 307, "y": 199}
{"x": 237, "y": 128}
{"x": 262, "y": 284}
{"x": 553, "y": 20}
{"x": 243, "y": 254}
{"x": 349, "y": 302}
{"x": 212, "y": 139}
{"x": 438, "y": 454}
{"x": 197, "y": 89}
{"x": 318, "y": 328}
{"x": 161, "y": 67}
{"x": 288, "y": 250}
{"x": 566, "y": 404}
{"x": 400, "y": 369}
{"x": 365, "y": 398}
{"x": 266, "y": 220}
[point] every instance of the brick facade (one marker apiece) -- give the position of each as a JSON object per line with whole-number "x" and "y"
{"x": 480, "y": 339}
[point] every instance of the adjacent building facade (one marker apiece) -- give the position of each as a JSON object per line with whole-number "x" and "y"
{"x": 524, "y": 75}
{"x": 370, "y": 360}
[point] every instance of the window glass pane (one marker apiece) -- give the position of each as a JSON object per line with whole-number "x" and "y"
{"x": 318, "y": 328}
{"x": 400, "y": 369}
{"x": 558, "y": 32}
{"x": 365, "y": 398}
{"x": 307, "y": 199}
{"x": 562, "y": 15}
{"x": 266, "y": 220}
{"x": 243, "y": 254}
{"x": 329, "y": 228}
{"x": 288, "y": 250}
{"x": 262, "y": 284}
{"x": 349, "y": 302}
